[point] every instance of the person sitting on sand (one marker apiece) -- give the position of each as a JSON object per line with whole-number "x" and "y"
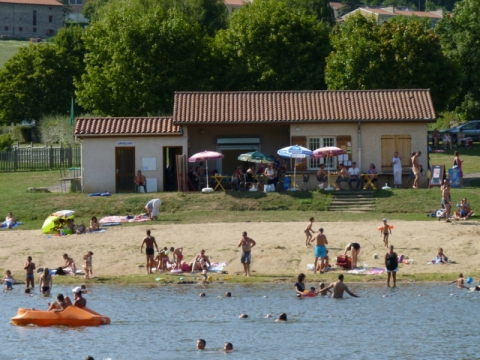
{"x": 338, "y": 288}
{"x": 324, "y": 266}
{"x": 200, "y": 261}
{"x": 61, "y": 304}
{"x": 300, "y": 285}
{"x": 440, "y": 258}
{"x": 94, "y": 225}
{"x": 8, "y": 280}
{"x": 69, "y": 263}
{"x": 460, "y": 282}
{"x": 46, "y": 282}
{"x": 162, "y": 259}
{"x": 69, "y": 227}
{"x": 80, "y": 229}
{"x": 464, "y": 212}
{"x": 10, "y": 221}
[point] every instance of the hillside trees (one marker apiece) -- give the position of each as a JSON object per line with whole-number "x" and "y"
{"x": 136, "y": 60}
{"x": 270, "y": 46}
{"x": 460, "y": 34}
{"x": 403, "y": 53}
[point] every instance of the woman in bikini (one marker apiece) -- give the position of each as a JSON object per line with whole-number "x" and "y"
{"x": 355, "y": 249}
{"x": 308, "y": 232}
{"x": 46, "y": 282}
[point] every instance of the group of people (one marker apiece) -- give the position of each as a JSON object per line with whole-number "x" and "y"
{"x": 447, "y": 139}
{"x": 69, "y": 227}
{"x": 248, "y": 176}
{"x": 351, "y": 176}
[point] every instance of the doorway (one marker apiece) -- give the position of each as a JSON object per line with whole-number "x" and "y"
{"x": 125, "y": 169}
{"x": 170, "y": 167}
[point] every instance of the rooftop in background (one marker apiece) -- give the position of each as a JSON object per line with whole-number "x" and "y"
{"x": 126, "y": 126}
{"x": 32, "y": 2}
{"x": 303, "y": 106}
{"x": 384, "y": 13}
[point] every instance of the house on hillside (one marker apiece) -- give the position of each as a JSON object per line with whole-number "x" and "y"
{"x": 385, "y": 13}
{"x": 24, "y": 19}
{"x": 336, "y": 6}
{"x": 369, "y": 125}
{"x": 76, "y": 9}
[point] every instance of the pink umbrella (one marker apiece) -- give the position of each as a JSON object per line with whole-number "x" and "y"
{"x": 328, "y": 151}
{"x": 205, "y": 156}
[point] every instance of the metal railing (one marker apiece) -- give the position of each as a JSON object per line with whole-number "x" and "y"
{"x": 39, "y": 158}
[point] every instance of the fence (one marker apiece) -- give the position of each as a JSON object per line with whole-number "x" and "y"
{"x": 39, "y": 158}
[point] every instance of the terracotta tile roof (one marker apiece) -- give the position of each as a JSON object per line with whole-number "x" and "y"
{"x": 302, "y": 106}
{"x": 32, "y": 2}
{"x": 336, "y": 5}
{"x": 234, "y": 2}
{"x": 386, "y": 11}
{"x": 126, "y": 126}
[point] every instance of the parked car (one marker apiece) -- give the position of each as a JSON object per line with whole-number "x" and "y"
{"x": 470, "y": 129}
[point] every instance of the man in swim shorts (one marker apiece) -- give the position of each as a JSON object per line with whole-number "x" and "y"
{"x": 247, "y": 244}
{"x": 320, "y": 250}
{"x": 29, "y": 276}
{"x": 149, "y": 242}
{"x": 338, "y": 288}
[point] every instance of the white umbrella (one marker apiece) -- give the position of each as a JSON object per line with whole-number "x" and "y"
{"x": 295, "y": 152}
{"x": 205, "y": 156}
{"x": 328, "y": 151}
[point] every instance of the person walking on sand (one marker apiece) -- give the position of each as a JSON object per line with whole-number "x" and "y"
{"x": 416, "y": 168}
{"x": 386, "y": 229}
{"x": 309, "y": 232}
{"x": 446, "y": 200}
{"x": 247, "y": 244}
{"x": 320, "y": 250}
{"x": 29, "y": 276}
{"x": 460, "y": 282}
{"x": 149, "y": 242}
{"x": 338, "y": 288}
{"x": 391, "y": 266}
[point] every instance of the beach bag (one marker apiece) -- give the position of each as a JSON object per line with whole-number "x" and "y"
{"x": 269, "y": 188}
{"x": 60, "y": 271}
{"x": 286, "y": 184}
{"x": 186, "y": 267}
{"x": 344, "y": 261}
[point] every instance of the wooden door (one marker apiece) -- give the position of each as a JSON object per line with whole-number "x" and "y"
{"x": 125, "y": 169}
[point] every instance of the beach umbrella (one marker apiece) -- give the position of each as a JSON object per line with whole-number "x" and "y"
{"x": 325, "y": 152}
{"x": 205, "y": 156}
{"x": 56, "y": 220}
{"x": 295, "y": 152}
{"x": 256, "y": 157}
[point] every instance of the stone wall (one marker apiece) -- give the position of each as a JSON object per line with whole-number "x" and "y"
{"x": 25, "y": 21}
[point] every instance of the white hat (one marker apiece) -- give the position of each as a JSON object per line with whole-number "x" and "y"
{"x": 77, "y": 290}
{"x": 384, "y": 219}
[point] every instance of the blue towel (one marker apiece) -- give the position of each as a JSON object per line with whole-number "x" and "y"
{"x": 3, "y": 226}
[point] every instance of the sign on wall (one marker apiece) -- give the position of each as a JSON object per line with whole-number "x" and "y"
{"x": 149, "y": 164}
{"x": 125, "y": 143}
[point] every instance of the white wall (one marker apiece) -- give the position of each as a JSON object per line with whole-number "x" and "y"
{"x": 98, "y": 158}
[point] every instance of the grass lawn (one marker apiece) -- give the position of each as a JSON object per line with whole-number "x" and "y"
{"x": 34, "y": 208}
{"x": 8, "y": 48}
{"x": 470, "y": 157}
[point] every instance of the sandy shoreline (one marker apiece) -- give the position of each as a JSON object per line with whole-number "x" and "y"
{"x": 280, "y": 246}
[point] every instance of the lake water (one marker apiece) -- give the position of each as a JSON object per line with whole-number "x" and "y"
{"x": 417, "y": 321}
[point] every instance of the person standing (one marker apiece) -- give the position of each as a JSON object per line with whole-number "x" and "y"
{"x": 458, "y": 163}
{"x": 446, "y": 200}
{"x": 153, "y": 208}
{"x": 149, "y": 242}
{"x": 338, "y": 288}
{"x": 391, "y": 266}
{"x": 46, "y": 282}
{"x": 320, "y": 250}
{"x": 247, "y": 244}
{"x": 435, "y": 138}
{"x": 386, "y": 230}
{"x": 29, "y": 276}
{"x": 355, "y": 249}
{"x": 416, "y": 168}
{"x": 397, "y": 170}
{"x": 309, "y": 232}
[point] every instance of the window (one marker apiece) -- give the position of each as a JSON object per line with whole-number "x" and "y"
{"x": 34, "y": 17}
{"x": 314, "y": 143}
{"x": 20, "y": 28}
{"x": 34, "y": 29}
{"x": 79, "y": 2}
{"x": 50, "y": 18}
{"x": 395, "y": 143}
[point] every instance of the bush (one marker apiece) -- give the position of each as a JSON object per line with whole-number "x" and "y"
{"x": 6, "y": 142}
{"x": 56, "y": 129}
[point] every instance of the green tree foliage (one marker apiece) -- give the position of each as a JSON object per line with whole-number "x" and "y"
{"x": 37, "y": 80}
{"x": 271, "y": 46}
{"x": 70, "y": 43}
{"x": 320, "y": 8}
{"x": 460, "y": 35}
{"x": 56, "y": 129}
{"x": 136, "y": 59}
{"x": 6, "y": 142}
{"x": 403, "y": 53}
{"x": 91, "y": 10}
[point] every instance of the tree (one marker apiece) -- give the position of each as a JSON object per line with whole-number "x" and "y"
{"x": 271, "y": 46}
{"x": 37, "y": 80}
{"x": 319, "y": 8}
{"x": 460, "y": 36}
{"x": 403, "y": 53}
{"x": 136, "y": 59}
{"x": 69, "y": 42}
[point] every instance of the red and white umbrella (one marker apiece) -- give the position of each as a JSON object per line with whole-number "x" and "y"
{"x": 325, "y": 152}
{"x": 205, "y": 156}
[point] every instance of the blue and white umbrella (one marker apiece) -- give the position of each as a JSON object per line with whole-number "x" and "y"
{"x": 296, "y": 152}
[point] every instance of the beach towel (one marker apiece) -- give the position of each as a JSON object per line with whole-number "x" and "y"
{"x": 357, "y": 271}
{"x": 375, "y": 271}
{"x": 122, "y": 219}
{"x": 217, "y": 267}
{"x": 3, "y": 226}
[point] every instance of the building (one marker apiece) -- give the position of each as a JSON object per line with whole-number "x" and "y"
{"x": 24, "y": 19}
{"x": 233, "y": 5}
{"x": 384, "y": 14}
{"x": 76, "y": 9}
{"x": 336, "y": 6}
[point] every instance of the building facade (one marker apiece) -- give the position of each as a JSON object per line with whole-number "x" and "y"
{"x": 25, "y": 19}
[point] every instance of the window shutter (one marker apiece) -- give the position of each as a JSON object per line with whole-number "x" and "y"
{"x": 403, "y": 147}
{"x": 388, "y": 148}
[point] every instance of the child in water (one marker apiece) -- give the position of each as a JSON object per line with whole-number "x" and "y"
{"x": 8, "y": 280}
{"x": 320, "y": 290}
{"x": 309, "y": 232}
